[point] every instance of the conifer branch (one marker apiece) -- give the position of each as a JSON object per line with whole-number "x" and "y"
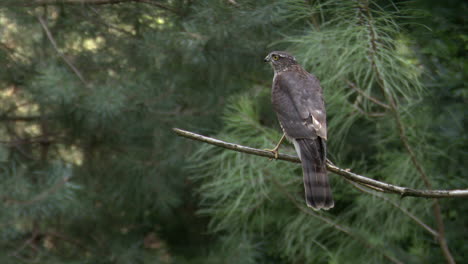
{"x": 54, "y": 44}
{"x": 24, "y": 245}
{"x": 75, "y": 2}
{"x": 378, "y": 185}
{"x": 403, "y": 210}
{"x": 370, "y": 98}
{"x": 402, "y": 131}
{"x": 360, "y": 110}
{"x": 56, "y": 187}
{"x": 335, "y": 225}
{"x": 67, "y": 239}
{"x": 98, "y": 19}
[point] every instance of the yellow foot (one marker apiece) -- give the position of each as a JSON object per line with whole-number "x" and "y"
{"x": 274, "y": 151}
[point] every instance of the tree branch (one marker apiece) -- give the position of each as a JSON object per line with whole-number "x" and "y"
{"x": 364, "y": 7}
{"x": 73, "y": 2}
{"x": 366, "y": 113}
{"x": 19, "y": 118}
{"x": 92, "y": 2}
{"x": 370, "y": 98}
{"x": 8, "y": 201}
{"x": 377, "y": 185}
{"x": 54, "y": 44}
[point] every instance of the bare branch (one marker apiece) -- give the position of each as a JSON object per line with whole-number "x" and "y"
{"x": 56, "y": 187}
{"x": 54, "y": 44}
{"x": 98, "y": 19}
{"x": 370, "y": 98}
{"x": 378, "y": 185}
{"x": 366, "y": 113}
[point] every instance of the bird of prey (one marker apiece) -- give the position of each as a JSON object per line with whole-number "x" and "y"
{"x": 297, "y": 99}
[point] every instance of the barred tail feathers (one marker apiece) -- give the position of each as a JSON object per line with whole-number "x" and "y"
{"x": 312, "y": 153}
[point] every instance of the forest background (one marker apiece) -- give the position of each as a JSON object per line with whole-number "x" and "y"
{"x": 91, "y": 171}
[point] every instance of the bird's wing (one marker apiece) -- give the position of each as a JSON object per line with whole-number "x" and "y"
{"x": 298, "y": 101}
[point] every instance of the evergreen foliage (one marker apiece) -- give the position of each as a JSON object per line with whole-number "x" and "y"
{"x": 90, "y": 171}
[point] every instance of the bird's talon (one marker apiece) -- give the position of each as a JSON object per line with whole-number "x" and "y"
{"x": 274, "y": 151}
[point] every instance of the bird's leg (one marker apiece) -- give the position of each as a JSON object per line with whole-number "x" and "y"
{"x": 275, "y": 149}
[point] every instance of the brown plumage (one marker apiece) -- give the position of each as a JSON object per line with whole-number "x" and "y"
{"x": 297, "y": 99}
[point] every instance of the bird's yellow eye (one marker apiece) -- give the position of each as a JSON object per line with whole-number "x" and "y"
{"x": 275, "y": 57}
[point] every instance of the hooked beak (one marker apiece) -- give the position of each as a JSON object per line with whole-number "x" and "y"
{"x": 267, "y": 59}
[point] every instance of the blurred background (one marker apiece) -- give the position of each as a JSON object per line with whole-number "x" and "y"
{"x": 91, "y": 172}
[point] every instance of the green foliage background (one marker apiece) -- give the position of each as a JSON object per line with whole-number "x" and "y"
{"x": 92, "y": 173}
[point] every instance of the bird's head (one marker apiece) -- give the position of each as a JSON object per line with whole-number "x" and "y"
{"x": 280, "y": 60}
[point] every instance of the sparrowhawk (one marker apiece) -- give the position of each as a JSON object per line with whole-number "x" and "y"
{"x": 297, "y": 99}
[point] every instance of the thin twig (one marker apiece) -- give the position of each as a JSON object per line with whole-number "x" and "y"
{"x": 70, "y": 240}
{"x": 370, "y": 98}
{"x": 406, "y": 212}
{"x": 162, "y": 6}
{"x": 98, "y": 19}
{"x": 366, "y": 113}
{"x": 10, "y": 201}
{"x": 54, "y": 44}
{"x": 19, "y": 118}
{"x": 25, "y": 244}
{"x": 403, "y": 191}
{"x": 93, "y": 2}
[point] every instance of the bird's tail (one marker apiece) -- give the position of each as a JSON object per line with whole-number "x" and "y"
{"x": 313, "y": 158}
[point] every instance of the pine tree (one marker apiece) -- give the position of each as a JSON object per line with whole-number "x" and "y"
{"x": 92, "y": 173}
{"x": 90, "y": 90}
{"x": 380, "y": 123}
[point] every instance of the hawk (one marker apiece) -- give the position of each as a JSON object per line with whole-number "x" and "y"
{"x": 297, "y": 99}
